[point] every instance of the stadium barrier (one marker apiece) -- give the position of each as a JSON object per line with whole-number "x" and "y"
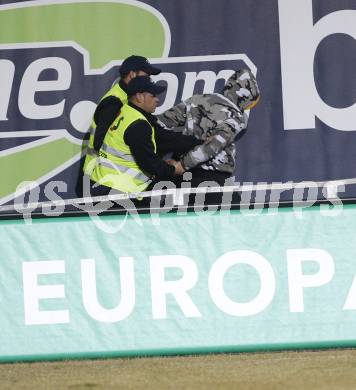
{"x": 177, "y": 280}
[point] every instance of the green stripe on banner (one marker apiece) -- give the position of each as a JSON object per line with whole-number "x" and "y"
{"x": 162, "y": 284}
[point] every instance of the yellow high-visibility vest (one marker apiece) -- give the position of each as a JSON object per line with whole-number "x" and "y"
{"x": 116, "y": 167}
{"x": 91, "y": 153}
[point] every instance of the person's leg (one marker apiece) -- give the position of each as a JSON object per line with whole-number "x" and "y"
{"x": 213, "y": 179}
{"x": 98, "y": 189}
{"x": 200, "y": 175}
{"x": 125, "y": 203}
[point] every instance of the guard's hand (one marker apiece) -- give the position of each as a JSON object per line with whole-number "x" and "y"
{"x": 179, "y": 170}
{"x": 209, "y": 139}
{"x": 178, "y": 166}
{"x": 171, "y": 161}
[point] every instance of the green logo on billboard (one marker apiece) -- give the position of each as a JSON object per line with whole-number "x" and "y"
{"x": 104, "y": 33}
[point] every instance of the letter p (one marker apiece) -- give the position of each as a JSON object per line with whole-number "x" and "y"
{"x": 298, "y": 281}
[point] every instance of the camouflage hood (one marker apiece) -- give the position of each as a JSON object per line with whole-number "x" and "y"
{"x": 241, "y": 88}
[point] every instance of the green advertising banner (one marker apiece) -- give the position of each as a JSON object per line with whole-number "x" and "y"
{"x": 178, "y": 283}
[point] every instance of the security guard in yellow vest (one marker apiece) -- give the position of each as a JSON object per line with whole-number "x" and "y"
{"x": 128, "y": 159}
{"x": 111, "y": 103}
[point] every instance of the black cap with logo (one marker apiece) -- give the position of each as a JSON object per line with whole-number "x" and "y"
{"x": 141, "y": 84}
{"x": 136, "y": 63}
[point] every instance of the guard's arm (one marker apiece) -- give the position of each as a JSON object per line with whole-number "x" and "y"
{"x": 104, "y": 116}
{"x": 139, "y": 138}
{"x": 224, "y": 134}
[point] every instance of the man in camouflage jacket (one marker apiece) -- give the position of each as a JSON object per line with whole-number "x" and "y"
{"x": 215, "y": 119}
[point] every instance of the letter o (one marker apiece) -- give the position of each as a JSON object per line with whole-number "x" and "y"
{"x": 216, "y": 280}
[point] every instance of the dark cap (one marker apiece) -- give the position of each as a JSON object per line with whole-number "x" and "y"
{"x": 144, "y": 84}
{"x": 136, "y": 63}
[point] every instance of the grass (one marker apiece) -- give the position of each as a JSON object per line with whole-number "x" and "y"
{"x": 322, "y": 369}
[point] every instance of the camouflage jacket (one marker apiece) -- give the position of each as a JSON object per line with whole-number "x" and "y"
{"x": 217, "y": 119}
{"x": 206, "y": 116}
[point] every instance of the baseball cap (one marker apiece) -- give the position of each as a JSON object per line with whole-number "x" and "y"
{"x": 136, "y": 63}
{"x": 144, "y": 84}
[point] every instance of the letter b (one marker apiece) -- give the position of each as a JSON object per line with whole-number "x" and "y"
{"x": 299, "y": 39}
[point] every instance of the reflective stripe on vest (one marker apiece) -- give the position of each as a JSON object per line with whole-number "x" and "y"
{"x": 137, "y": 174}
{"x": 117, "y": 153}
{"x": 116, "y": 167}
